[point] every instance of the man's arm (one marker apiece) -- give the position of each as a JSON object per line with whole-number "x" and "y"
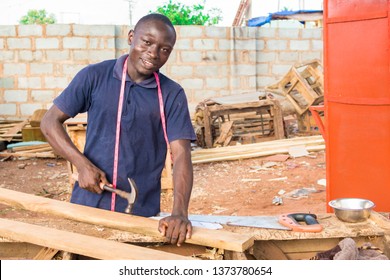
{"x": 176, "y": 228}
{"x": 52, "y": 127}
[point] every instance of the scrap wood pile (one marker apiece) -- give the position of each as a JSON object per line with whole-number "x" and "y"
{"x": 260, "y": 116}
{"x": 24, "y": 138}
{"x": 224, "y": 121}
{"x": 11, "y": 130}
{"x": 301, "y": 90}
{"x": 303, "y": 145}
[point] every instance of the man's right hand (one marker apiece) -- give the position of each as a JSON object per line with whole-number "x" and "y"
{"x": 92, "y": 179}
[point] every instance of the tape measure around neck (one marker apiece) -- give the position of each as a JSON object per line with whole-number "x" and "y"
{"x": 162, "y": 112}
{"x": 118, "y": 126}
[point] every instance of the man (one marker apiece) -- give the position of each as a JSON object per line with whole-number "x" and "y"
{"x": 125, "y": 134}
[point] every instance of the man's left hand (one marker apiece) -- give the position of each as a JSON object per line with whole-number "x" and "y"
{"x": 176, "y": 229}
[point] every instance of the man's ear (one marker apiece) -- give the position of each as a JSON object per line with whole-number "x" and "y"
{"x": 130, "y": 37}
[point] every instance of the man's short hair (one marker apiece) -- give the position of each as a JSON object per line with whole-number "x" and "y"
{"x": 155, "y": 17}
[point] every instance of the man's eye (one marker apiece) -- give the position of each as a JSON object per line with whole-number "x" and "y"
{"x": 146, "y": 42}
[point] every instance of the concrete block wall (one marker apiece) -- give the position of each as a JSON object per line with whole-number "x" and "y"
{"x": 38, "y": 61}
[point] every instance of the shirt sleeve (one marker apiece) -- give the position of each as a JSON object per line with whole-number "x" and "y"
{"x": 76, "y": 96}
{"x": 179, "y": 125}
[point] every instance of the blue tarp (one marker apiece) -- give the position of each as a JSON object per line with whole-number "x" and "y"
{"x": 259, "y": 21}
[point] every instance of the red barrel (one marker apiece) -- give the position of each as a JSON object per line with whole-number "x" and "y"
{"x": 357, "y": 100}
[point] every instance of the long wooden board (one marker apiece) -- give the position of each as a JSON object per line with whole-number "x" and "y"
{"x": 90, "y": 246}
{"x": 146, "y": 226}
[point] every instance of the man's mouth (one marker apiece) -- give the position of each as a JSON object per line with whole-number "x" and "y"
{"x": 147, "y": 63}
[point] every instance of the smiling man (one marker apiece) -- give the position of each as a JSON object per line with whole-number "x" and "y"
{"x": 134, "y": 115}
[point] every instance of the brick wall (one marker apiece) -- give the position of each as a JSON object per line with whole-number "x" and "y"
{"x": 38, "y": 61}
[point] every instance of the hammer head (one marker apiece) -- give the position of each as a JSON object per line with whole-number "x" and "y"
{"x": 132, "y": 196}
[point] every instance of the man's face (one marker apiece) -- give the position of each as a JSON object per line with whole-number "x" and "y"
{"x": 150, "y": 46}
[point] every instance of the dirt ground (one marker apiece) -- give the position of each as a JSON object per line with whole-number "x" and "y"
{"x": 245, "y": 187}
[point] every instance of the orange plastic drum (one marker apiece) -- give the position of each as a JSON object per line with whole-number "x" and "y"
{"x": 357, "y": 100}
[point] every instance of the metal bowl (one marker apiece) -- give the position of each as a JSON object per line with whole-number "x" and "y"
{"x": 352, "y": 210}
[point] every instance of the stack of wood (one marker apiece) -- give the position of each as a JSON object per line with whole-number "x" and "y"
{"x": 10, "y": 130}
{"x": 239, "y": 152}
{"x": 32, "y": 130}
{"x": 30, "y": 150}
{"x": 27, "y": 134}
{"x": 221, "y": 122}
{"x": 303, "y": 87}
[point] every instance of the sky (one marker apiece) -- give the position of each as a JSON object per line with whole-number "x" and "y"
{"x": 117, "y": 11}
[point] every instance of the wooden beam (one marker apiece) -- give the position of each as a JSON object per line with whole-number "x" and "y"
{"x": 46, "y": 253}
{"x": 90, "y": 246}
{"x": 312, "y": 143}
{"x": 146, "y": 226}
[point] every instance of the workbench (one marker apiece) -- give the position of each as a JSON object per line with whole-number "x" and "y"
{"x": 74, "y": 222}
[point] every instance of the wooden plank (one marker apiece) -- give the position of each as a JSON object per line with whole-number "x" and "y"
{"x": 90, "y": 246}
{"x": 46, "y": 253}
{"x": 29, "y": 155}
{"x": 14, "y": 130}
{"x": 253, "y": 154}
{"x": 146, "y": 226}
{"x": 11, "y": 250}
{"x": 30, "y": 147}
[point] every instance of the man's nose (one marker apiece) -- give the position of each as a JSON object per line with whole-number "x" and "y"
{"x": 153, "y": 51}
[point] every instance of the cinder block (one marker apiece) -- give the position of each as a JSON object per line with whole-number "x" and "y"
{"x": 8, "y": 30}
{"x": 183, "y": 44}
{"x": 75, "y": 43}
{"x": 276, "y": 45}
{"x": 291, "y": 33}
{"x": 6, "y": 82}
{"x": 93, "y": 55}
{"x": 94, "y": 30}
{"x": 217, "y": 83}
{"x": 7, "y": 55}
{"x": 30, "y": 30}
{"x": 29, "y": 108}
{"x": 58, "y": 29}
{"x": 58, "y": 55}
{"x": 204, "y": 44}
{"x": 41, "y": 68}
{"x": 55, "y": 82}
{"x": 317, "y": 45}
{"x": 190, "y": 31}
{"x": 181, "y": 71}
{"x": 300, "y": 45}
{"x": 47, "y": 43}
{"x": 192, "y": 83}
{"x": 15, "y": 96}
{"x": 8, "y": 109}
{"x": 206, "y": 70}
{"x": 190, "y": 56}
{"x": 216, "y": 32}
{"x": 42, "y": 95}
{"x": 19, "y": 43}
{"x": 29, "y": 82}
{"x": 27, "y": 55}
{"x": 14, "y": 69}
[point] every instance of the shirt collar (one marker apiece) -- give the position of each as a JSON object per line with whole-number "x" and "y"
{"x": 118, "y": 67}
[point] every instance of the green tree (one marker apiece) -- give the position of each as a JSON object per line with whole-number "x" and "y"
{"x": 37, "y": 17}
{"x": 181, "y": 14}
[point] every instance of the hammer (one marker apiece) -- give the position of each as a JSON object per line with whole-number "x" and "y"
{"x": 130, "y": 197}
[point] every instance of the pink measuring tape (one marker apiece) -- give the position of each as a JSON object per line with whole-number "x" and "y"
{"x": 118, "y": 126}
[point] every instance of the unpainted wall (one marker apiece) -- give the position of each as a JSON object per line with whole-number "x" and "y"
{"x": 38, "y": 61}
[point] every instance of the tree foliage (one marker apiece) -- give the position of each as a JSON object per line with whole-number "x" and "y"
{"x": 181, "y": 14}
{"x": 37, "y": 17}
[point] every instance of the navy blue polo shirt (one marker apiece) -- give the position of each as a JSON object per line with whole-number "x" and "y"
{"x": 142, "y": 151}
